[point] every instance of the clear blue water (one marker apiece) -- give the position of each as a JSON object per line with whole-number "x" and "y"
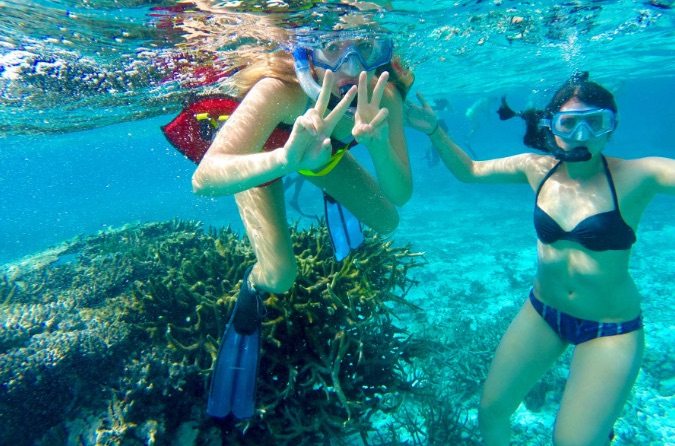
{"x": 78, "y": 154}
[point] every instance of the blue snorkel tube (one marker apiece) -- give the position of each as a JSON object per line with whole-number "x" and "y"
{"x": 304, "y": 73}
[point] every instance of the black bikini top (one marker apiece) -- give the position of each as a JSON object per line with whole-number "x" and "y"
{"x": 600, "y": 232}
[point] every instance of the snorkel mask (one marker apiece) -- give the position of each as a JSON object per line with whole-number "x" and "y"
{"x": 581, "y": 125}
{"x": 578, "y": 126}
{"x": 331, "y": 50}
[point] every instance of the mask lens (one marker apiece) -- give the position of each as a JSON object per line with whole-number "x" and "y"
{"x": 598, "y": 122}
{"x": 370, "y": 52}
{"x": 331, "y": 53}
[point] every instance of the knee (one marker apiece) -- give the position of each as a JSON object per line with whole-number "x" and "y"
{"x": 575, "y": 437}
{"x": 387, "y": 222}
{"x": 493, "y": 410}
{"x": 561, "y": 438}
{"x": 278, "y": 279}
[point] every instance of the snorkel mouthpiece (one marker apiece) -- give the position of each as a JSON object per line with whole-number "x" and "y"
{"x": 576, "y": 155}
{"x": 345, "y": 89}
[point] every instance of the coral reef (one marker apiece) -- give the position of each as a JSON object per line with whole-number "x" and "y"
{"x": 110, "y": 339}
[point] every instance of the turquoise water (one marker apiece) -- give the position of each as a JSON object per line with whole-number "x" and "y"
{"x": 85, "y": 86}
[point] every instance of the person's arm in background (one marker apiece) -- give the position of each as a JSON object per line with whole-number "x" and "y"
{"x": 502, "y": 170}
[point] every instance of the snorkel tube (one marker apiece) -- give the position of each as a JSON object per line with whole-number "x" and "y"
{"x": 304, "y": 73}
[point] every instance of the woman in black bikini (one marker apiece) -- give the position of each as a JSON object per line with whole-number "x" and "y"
{"x": 587, "y": 207}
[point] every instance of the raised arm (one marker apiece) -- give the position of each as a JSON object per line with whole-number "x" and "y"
{"x": 380, "y": 129}
{"x": 658, "y": 174}
{"x": 513, "y": 169}
{"x": 235, "y": 163}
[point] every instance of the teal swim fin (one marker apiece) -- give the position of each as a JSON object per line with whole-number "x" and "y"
{"x": 344, "y": 228}
{"x": 235, "y": 371}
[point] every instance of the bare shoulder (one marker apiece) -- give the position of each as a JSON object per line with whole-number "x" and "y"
{"x": 268, "y": 103}
{"x": 653, "y": 174}
{"x": 535, "y": 166}
{"x": 638, "y": 167}
{"x": 283, "y": 100}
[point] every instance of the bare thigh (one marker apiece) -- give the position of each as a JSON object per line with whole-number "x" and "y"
{"x": 602, "y": 374}
{"x": 355, "y": 188}
{"x": 263, "y": 213}
{"x": 529, "y": 348}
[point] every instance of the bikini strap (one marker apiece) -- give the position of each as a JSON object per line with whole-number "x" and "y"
{"x": 548, "y": 175}
{"x": 610, "y": 180}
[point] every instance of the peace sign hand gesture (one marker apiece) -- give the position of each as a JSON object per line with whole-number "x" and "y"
{"x": 309, "y": 145}
{"x": 370, "y": 121}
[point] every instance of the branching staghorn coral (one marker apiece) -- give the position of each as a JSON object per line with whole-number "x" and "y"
{"x": 330, "y": 348}
{"x": 132, "y": 317}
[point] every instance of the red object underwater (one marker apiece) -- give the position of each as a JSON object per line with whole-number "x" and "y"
{"x": 193, "y": 130}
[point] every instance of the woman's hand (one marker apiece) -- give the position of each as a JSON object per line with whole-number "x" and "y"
{"x": 309, "y": 146}
{"x": 420, "y": 118}
{"x": 370, "y": 121}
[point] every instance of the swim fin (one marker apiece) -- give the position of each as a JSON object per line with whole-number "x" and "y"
{"x": 344, "y": 228}
{"x": 505, "y": 112}
{"x": 233, "y": 383}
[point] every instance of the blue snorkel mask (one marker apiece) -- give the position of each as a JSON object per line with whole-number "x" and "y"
{"x": 331, "y": 50}
{"x": 371, "y": 51}
{"x": 581, "y": 125}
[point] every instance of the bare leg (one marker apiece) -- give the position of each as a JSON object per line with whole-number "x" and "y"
{"x": 602, "y": 374}
{"x": 296, "y": 182}
{"x": 353, "y": 186}
{"x": 529, "y": 348}
{"x": 263, "y": 212}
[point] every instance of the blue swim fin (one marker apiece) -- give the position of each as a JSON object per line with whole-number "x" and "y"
{"x": 344, "y": 228}
{"x": 233, "y": 383}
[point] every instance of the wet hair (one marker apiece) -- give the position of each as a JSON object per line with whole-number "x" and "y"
{"x": 577, "y": 86}
{"x": 587, "y": 92}
{"x": 534, "y": 136}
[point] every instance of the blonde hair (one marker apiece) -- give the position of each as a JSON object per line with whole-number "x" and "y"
{"x": 277, "y": 64}
{"x": 247, "y": 45}
{"x": 280, "y": 65}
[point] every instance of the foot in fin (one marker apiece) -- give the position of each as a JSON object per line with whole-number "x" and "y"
{"x": 344, "y": 228}
{"x": 505, "y": 112}
{"x": 235, "y": 371}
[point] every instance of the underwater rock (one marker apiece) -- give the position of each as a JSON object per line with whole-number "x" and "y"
{"x": 111, "y": 340}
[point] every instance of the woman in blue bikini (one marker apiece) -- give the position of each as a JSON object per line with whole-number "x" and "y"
{"x": 587, "y": 208}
